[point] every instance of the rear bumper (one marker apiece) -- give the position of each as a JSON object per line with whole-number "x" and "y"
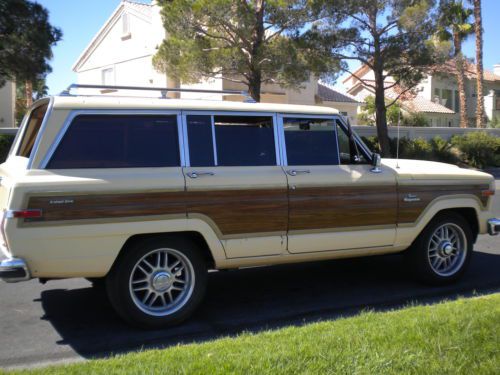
{"x": 494, "y": 226}
{"x": 13, "y": 270}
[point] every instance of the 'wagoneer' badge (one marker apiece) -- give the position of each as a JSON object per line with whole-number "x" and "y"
{"x": 411, "y": 198}
{"x": 62, "y": 201}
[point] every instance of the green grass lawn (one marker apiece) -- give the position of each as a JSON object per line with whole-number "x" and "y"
{"x": 459, "y": 337}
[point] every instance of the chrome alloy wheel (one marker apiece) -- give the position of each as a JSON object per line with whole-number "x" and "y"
{"x": 162, "y": 282}
{"x": 447, "y": 249}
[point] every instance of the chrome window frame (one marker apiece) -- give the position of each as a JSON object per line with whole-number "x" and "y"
{"x": 115, "y": 112}
{"x": 212, "y": 114}
{"x": 281, "y": 116}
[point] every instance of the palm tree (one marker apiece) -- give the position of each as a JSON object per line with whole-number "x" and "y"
{"x": 454, "y": 26}
{"x": 478, "y": 30}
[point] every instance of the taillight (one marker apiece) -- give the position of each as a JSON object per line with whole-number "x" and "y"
{"x": 26, "y": 214}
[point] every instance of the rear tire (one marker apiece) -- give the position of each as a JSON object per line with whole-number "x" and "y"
{"x": 442, "y": 252}
{"x": 157, "y": 282}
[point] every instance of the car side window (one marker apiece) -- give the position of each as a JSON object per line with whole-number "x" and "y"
{"x": 310, "y": 141}
{"x": 231, "y": 140}
{"x": 31, "y": 130}
{"x": 349, "y": 153}
{"x": 200, "y": 136}
{"x": 244, "y": 140}
{"x": 118, "y": 141}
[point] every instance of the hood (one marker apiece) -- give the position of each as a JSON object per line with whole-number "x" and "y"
{"x": 431, "y": 170}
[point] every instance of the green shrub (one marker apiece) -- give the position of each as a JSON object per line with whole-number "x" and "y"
{"x": 437, "y": 149}
{"x": 414, "y": 119}
{"x": 479, "y": 149}
{"x": 372, "y": 143}
{"x": 443, "y": 151}
{"x": 5, "y": 143}
{"x": 495, "y": 123}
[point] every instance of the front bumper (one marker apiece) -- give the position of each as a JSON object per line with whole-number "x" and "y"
{"x": 494, "y": 226}
{"x": 13, "y": 270}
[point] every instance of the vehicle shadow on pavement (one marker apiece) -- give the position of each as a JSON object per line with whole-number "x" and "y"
{"x": 258, "y": 299}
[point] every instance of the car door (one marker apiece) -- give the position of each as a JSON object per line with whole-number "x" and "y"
{"x": 336, "y": 202}
{"x": 234, "y": 182}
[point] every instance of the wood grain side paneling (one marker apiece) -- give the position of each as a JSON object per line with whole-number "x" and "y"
{"x": 99, "y": 206}
{"x": 410, "y": 211}
{"x": 242, "y": 211}
{"x": 340, "y": 207}
{"x": 232, "y": 211}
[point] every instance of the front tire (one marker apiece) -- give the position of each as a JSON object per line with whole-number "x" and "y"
{"x": 442, "y": 252}
{"x": 158, "y": 282}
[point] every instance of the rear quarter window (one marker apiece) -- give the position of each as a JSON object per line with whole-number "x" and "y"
{"x": 118, "y": 141}
{"x": 31, "y": 130}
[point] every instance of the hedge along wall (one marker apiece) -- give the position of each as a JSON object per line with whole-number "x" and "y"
{"x": 427, "y": 133}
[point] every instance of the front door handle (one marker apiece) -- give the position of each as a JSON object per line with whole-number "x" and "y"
{"x": 199, "y": 174}
{"x": 295, "y": 172}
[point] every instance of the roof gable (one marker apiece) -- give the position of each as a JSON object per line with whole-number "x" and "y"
{"x": 140, "y": 10}
{"x": 328, "y": 94}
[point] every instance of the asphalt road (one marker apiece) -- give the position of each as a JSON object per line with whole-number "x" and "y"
{"x": 69, "y": 320}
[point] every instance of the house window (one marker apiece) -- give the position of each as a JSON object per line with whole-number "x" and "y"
{"x": 125, "y": 26}
{"x": 447, "y": 100}
{"x": 437, "y": 93}
{"x": 108, "y": 76}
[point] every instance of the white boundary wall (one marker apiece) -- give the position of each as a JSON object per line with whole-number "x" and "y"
{"x": 420, "y": 132}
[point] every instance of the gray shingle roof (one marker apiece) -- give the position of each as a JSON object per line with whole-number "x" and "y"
{"x": 331, "y": 95}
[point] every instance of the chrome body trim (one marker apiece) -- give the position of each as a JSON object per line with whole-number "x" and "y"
{"x": 13, "y": 270}
{"x": 493, "y": 226}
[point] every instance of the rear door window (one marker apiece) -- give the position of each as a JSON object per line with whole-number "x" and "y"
{"x": 31, "y": 130}
{"x": 118, "y": 141}
{"x": 245, "y": 140}
{"x": 231, "y": 140}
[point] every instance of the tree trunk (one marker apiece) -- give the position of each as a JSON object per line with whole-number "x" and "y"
{"x": 254, "y": 86}
{"x": 381, "y": 115}
{"x": 28, "y": 91}
{"x": 255, "y": 76}
{"x": 459, "y": 63}
{"x": 478, "y": 28}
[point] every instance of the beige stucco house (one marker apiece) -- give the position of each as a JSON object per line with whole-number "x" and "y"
{"x": 121, "y": 53}
{"x": 436, "y": 96}
{"x": 7, "y": 105}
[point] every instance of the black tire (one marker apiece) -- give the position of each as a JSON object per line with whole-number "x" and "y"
{"x": 128, "y": 303}
{"x": 419, "y": 255}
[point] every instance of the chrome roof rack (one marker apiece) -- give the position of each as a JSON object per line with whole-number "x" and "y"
{"x": 163, "y": 90}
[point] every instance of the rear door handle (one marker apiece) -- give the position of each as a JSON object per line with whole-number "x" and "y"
{"x": 200, "y": 174}
{"x": 295, "y": 172}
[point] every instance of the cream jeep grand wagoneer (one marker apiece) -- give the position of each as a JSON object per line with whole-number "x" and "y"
{"x": 148, "y": 194}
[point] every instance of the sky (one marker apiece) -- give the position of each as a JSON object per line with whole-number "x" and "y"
{"x": 80, "y": 20}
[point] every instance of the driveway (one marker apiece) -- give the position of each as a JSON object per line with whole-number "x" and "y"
{"x": 69, "y": 320}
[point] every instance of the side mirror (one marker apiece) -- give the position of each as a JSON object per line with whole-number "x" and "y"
{"x": 376, "y": 162}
